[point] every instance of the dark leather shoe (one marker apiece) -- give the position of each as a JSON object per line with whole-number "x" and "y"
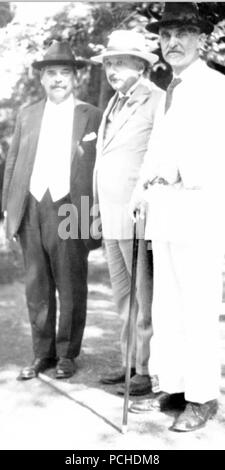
{"x": 38, "y": 365}
{"x": 139, "y": 385}
{"x": 159, "y": 402}
{"x": 195, "y": 416}
{"x": 65, "y": 368}
{"x": 116, "y": 377}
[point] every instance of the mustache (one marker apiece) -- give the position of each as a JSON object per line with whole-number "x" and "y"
{"x": 172, "y": 50}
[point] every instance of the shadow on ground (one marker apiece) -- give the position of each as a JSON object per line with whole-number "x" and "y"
{"x": 101, "y": 344}
{"x": 82, "y": 398}
{"x": 101, "y": 348}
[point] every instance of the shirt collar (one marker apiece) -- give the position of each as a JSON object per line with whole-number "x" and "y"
{"x": 131, "y": 89}
{"x": 190, "y": 71}
{"x": 67, "y": 103}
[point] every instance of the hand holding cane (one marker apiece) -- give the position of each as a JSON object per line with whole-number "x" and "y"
{"x": 130, "y": 327}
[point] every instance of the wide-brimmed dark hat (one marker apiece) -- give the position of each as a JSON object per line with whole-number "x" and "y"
{"x": 59, "y": 53}
{"x": 181, "y": 14}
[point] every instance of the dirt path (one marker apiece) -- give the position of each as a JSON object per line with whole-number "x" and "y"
{"x": 79, "y": 413}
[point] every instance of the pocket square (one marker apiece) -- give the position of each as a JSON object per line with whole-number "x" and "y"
{"x": 89, "y": 137}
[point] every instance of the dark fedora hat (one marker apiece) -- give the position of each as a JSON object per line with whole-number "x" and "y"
{"x": 181, "y": 14}
{"x": 59, "y": 53}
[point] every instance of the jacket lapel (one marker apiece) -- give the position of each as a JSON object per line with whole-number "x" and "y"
{"x": 101, "y": 131}
{"x": 33, "y": 133}
{"x": 139, "y": 96}
{"x": 80, "y": 119}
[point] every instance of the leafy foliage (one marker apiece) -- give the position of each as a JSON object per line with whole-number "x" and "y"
{"x": 6, "y": 14}
{"x": 213, "y": 51}
{"x": 86, "y": 25}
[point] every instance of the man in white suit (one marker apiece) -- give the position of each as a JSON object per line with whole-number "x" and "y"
{"x": 184, "y": 173}
{"x": 122, "y": 142}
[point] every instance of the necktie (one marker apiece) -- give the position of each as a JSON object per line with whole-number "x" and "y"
{"x": 169, "y": 92}
{"x": 118, "y": 106}
{"x": 114, "y": 113}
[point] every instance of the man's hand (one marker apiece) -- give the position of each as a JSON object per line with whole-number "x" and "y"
{"x": 3, "y": 239}
{"x": 138, "y": 206}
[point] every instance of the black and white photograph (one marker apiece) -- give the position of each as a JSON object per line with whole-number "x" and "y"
{"x": 112, "y": 229}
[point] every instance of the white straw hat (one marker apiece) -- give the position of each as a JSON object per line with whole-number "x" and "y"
{"x": 124, "y": 42}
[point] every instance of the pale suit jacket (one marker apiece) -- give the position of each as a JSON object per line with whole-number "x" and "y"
{"x": 120, "y": 156}
{"x": 186, "y": 148}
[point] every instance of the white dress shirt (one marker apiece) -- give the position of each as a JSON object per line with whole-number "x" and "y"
{"x": 53, "y": 157}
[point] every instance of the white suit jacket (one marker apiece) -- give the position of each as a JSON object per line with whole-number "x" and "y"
{"x": 120, "y": 156}
{"x": 188, "y": 141}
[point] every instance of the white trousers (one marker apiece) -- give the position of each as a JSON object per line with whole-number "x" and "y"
{"x": 119, "y": 256}
{"x": 187, "y": 299}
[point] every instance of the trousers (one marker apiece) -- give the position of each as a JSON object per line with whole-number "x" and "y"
{"x": 119, "y": 255}
{"x": 186, "y": 304}
{"x": 53, "y": 266}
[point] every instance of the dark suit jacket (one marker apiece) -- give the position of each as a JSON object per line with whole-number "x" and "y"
{"x": 21, "y": 156}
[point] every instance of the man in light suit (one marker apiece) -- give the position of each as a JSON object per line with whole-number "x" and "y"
{"x": 50, "y": 167}
{"x": 122, "y": 142}
{"x": 184, "y": 172}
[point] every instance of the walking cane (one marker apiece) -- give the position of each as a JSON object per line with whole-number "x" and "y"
{"x": 130, "y": 327}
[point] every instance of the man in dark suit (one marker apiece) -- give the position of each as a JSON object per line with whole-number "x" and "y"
{"x": 48, "y": 172}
